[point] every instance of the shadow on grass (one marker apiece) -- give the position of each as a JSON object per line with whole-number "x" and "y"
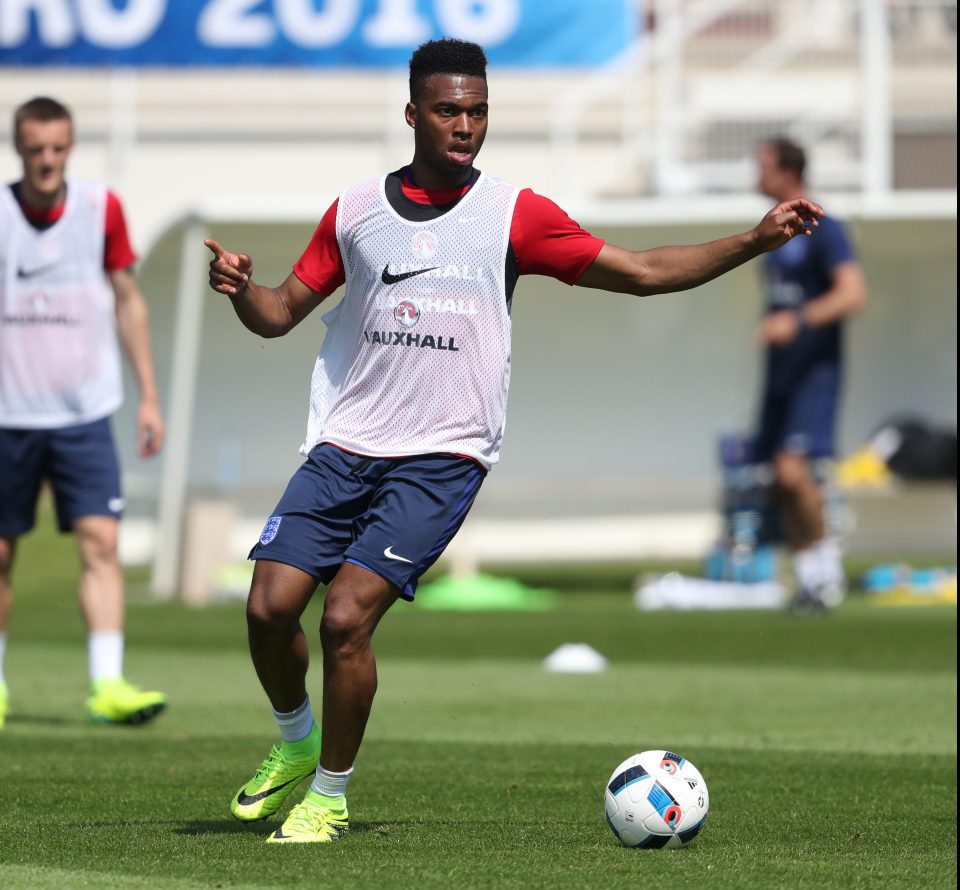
{"x": 45, "y": 720}
{"x": 197, "y": 827}
{"x": 265, "y": 827}
{"x": 187, "y": 828}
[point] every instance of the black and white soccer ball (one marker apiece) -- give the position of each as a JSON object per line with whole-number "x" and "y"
{"x": 656, "y": 799}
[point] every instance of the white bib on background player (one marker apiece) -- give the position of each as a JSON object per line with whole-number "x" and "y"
{"x": 59, "y": 360}
{"x": 417, "y": 361}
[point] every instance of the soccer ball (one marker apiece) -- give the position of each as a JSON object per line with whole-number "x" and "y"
{"x": 656, "y": 799}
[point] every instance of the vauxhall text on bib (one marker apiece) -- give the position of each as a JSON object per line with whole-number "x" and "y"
{"x": 416, "y": 358}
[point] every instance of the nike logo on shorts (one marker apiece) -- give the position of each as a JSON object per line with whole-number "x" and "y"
{"x": 387, "y": 278}
{"x": 389, "y": 554}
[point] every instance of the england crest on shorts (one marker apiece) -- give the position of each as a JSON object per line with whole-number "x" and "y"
{"x": 270, "y": 530}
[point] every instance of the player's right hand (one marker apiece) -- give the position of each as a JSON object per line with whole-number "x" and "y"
{"x": 229, "y": 272}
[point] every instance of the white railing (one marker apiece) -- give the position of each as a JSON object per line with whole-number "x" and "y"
{"x": 711, "y": 78}
{"x": 680, "y": 112}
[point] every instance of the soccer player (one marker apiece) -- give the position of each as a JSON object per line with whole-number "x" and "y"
{"x": 407, "y": 403}
{"x": 66, "y": 291}
{"x": 811, "y": 287}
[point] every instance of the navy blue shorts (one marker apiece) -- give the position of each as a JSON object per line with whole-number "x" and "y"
{"x": 80, "y": 462}
{"x": 393, "y": 516}
{"x": 800, "y": 419}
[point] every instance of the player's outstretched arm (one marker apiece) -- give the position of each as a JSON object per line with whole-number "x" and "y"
{"x": 133, "y": 328}
{"x": 667, "y": 269}
{"x": 267, "y": 311}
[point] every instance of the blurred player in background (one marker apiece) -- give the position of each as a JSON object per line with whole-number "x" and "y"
{"x": 811, "y": 286}
{"x": 408, "y": 403}
{"x": 66, "y": 290}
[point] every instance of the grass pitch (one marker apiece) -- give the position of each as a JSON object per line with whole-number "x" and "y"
{"x": 829, "y": 747}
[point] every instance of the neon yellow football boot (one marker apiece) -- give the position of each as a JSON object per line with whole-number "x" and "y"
{"x": 117, "y": 701}
{"x": 285, "y": 767}
{"x": 4, "y": 703}
{"x": 313, "y": 822}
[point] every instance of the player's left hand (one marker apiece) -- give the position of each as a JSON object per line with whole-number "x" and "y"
{"x": 797, "y": 217}
{"x": 779, "y": 328}
{"x": 150, "y": 428}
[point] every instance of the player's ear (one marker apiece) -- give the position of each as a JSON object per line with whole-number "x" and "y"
{"x": 410, "y": 113}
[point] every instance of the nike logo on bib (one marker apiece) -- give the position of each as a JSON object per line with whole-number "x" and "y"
{"x": 387, "y": 278}
{"x": 389, "y": 554}
{"x": 29, "y": 273}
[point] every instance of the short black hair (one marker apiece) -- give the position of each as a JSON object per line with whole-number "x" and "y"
{"x": 446, "y": 56}
{"x": 790, "y": 155}
{"x": 40, "y": 108}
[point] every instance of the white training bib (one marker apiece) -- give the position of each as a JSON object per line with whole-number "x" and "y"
{"x": 59, "y": 359}
{"x": 416, "y": 358}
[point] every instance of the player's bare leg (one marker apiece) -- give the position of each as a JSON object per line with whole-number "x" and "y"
{"x": 7, "y": 550}
{"x": 278, "y": 595}
{"x": 800, "y": 500}
{"x": 112, "y": 699}
{"x": 101, "y": 579}
{"x": 355, "y": 603}
{"x": 278, "y": 647}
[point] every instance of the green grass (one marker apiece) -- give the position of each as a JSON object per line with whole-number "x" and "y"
{"x": 829, "y": 747}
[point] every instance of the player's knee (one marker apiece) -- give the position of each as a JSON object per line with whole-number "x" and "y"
{"x": 267, "y": 612}
{"x": 6, "y": 558}
{"x": 791, "y": 472}
{"x": 343, "y": 628}
{"x": 99, "y": 544}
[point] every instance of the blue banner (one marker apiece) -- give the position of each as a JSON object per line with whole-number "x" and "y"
{"x": 309, "y": 33}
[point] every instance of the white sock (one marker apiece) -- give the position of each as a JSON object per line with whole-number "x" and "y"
{"x": 3, "y": 651}
{"x": 295, "y": 725}
{"x": 806, "y": 566}
{"x": 330, "y": 784}
{"x": 105, "y": 652}
{"x": 819, "y": 565}
{"x": 831, "y": 562}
